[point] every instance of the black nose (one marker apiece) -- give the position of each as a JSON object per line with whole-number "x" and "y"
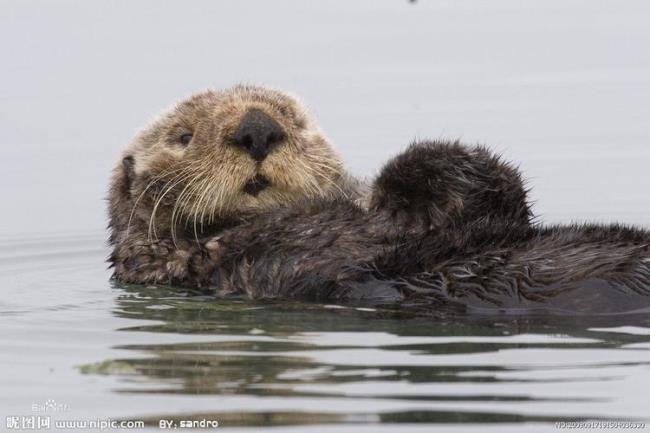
{"x": 258, "y": 134}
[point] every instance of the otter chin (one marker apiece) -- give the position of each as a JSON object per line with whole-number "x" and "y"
{"x": 256, "y": 185}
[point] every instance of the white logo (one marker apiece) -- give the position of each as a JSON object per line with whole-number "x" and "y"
{"x": 50, "y": 405}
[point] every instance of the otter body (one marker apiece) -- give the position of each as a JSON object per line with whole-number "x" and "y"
{"x": 239, "y": 192}
{"x": 492, "y": 260}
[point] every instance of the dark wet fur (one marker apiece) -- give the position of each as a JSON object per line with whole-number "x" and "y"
{"x": 448, "y": 227}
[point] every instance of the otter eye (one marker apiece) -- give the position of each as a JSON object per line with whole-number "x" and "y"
{"x": 185, "y": 139}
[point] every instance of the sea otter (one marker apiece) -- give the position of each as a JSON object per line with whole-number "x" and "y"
{"x": 238, "y": 191}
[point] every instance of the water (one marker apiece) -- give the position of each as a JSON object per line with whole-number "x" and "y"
{"x": 561, "y": 87}
{"x": 156, "y": 353}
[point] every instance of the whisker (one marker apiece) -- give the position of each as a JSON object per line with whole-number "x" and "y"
{"x": 137, "y": 201}
{"x": 152, "y": 227}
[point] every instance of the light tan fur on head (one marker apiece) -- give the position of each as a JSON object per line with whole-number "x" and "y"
{"x": 162, "y": 185}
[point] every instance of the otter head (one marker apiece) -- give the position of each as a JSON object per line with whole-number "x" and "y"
{"x": 217, "y": 157}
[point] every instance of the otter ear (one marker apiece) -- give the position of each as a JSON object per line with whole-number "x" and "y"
{"x": 128, "y": 173}
{"x": 128, "y": 162}
{"x": 119, "y": 196}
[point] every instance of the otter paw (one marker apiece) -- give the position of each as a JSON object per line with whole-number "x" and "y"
{"x": 214, "y": 247}
{"x": 178, "y": 264}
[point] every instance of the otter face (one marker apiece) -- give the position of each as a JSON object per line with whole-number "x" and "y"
{"x": 221, "y": 155}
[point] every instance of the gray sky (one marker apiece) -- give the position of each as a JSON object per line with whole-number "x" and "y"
{"x": 562, "y": 87}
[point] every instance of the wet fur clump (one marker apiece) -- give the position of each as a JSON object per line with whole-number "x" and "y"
{"x": 498, "y": 266}
{"x": 442, "y": 184}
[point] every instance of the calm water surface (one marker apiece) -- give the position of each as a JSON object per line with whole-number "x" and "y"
{"x": 562, "y": 87}
{"x": 157, "y": 353}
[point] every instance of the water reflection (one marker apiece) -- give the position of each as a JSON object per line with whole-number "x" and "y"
{"x": 311, "y": 364}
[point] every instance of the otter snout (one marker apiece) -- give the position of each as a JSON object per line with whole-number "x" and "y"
{"x": 258, "y": 134}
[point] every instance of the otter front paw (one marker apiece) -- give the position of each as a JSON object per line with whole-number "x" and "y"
{"x": 178, "y": 265}
{"x": 158, "y": 262}
{"x": 214, "y": 247}
{"x": 203, "y": 264}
